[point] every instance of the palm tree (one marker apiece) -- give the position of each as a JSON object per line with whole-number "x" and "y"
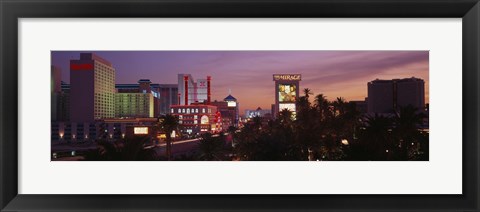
{"x": 322, "y": 105}
{"x": 122, "y": 150}
{"x": 257, "y": 122}
{"x": 307, "y": 92}
{"x": 339, "y": 106}
{"x": 168, "y": 123}
{"x": 211, "y": 148}
{"x": 285, "y": 117}
{"x": 407, "y": 120}
{"x": 377, "y": 138}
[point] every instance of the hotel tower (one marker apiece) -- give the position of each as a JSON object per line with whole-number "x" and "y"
{"x": 92, "y": 91}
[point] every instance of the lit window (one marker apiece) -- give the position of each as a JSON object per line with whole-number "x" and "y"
{"x": 203, "y": 110}
{"x": 183, "y": 110}
{"x": 179, "y": 110}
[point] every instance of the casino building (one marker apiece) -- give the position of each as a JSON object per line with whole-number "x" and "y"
{"x": 197, "y": 118}
{"x": 287, "y": 87}
{"x": 228, "y": 109}
{"x": 386, "y": 96}
{"x": 195, "y": 112}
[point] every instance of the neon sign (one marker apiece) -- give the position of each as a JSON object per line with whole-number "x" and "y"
{"x": 140, "y": 130}
{"x": 81, "y": 66}
{"x": 289, "y": 77}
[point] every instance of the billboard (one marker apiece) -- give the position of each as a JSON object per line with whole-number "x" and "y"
{"x": 287, "y": 92}
{"x": 140, "y": 130}
{"x": 288, "y": 106}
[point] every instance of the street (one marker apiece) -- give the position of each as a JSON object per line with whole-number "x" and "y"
{"x": 178, "y": 147}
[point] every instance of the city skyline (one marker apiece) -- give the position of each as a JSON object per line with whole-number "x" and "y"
{"x": 248, "y": 73}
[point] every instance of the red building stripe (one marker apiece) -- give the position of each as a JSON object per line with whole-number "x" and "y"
{"x": 76, "y": 67}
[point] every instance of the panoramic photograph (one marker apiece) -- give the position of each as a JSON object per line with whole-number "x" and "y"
{"x": 239, "y": 105}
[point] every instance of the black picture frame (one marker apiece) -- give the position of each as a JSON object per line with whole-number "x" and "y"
{"x": 12, "y": 10}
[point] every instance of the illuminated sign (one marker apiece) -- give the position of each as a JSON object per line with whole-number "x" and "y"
{"x": 204, "y": 120}
{"x": 231, "y": 104}
{"x": 292, "y": 77}
{"x": 287, "y": 92}
{"x": 290, "y": 107}
{"x": 140, "y": 130}
{"x": 202, "y": 83}
{"x": 76, "y": 67}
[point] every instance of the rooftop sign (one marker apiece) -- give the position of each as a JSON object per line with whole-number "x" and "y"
{"x": 86, "y": 66}
{"x": 287, "y": 77}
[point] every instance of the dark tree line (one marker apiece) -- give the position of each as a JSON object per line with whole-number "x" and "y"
{"x": 334, "y": 130}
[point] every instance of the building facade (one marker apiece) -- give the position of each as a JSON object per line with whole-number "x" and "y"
{"x": 140, "y": 100}
{"x": 107, "y": 129}
{"x": 92, "y": 88}
{"x": 259, "y": 112}
{"x": 134, "y": 105}
{"x": 63, "y": 103}
{"x": 229, "y": 111}
{"x": 197, "y": 118}
{"x": 55, "y": 91}
{"x": 191, "y": 91}
{"x": 360, "y": 106}
{"x": 386, "y": 96}
{"x": 168, "y": 96}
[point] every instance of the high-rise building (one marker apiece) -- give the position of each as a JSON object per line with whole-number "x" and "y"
{"x": 92, "y": 88}
{"x": 228, "y": 109}
{"x": 386, "y": 96}
{"x": 63, "y": 104}
{"x": 55, "y": 91}
{"x": 134, "y": 105}
{"x": 192, "y": 91}
{"x": 136, "y": 100}
{"x": 168, "y": 96}
{"x": 56, "y": 79}
{"x": 287, "y": 87}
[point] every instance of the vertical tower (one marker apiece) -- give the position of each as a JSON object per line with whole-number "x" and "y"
{"x": 209, "y": 97}
{"x": 287, "y": 87}
{"x": 55, "y": 91}
{"x": 92, "y": 90}
{"x": 185, "y": 81}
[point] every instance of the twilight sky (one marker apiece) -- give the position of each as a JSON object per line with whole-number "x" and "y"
{"x": 249, "y": 73}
